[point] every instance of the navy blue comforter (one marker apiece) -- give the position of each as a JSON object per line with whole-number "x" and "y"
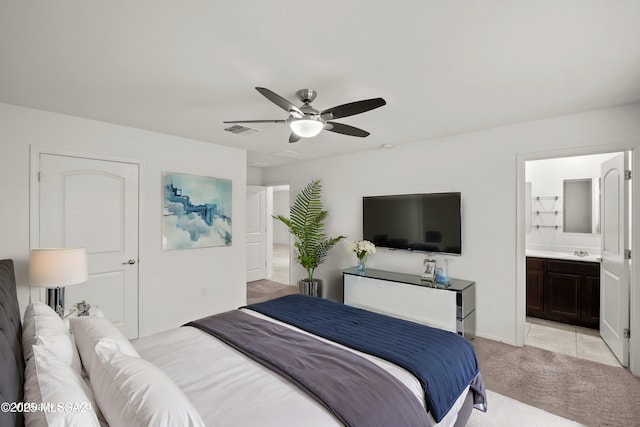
{"x": 444, "y": 363}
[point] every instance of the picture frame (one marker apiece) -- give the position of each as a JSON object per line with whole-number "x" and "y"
{"x": 196, "y": 211}
{"x": 429, "y": 270}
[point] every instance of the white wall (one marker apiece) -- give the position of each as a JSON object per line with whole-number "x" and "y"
{"x": 281, "y": 206}
{"x": 254, "y": 176}
{"x": 547, "y": 178}
{"x": 170, "y": 282}
{"x": 482, "y": 166}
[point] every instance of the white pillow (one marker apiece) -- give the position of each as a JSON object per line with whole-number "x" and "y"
{"x": 88, "y": 330}
{"x": 49, "y": 380}
{"x": 134, "y": 392}
{"x": 96, "y": 312}
{"x": 35, "y": 308}
{"x": 42, "y": 326}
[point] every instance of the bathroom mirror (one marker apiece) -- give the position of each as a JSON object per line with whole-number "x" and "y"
{"x": 581, "y": 206}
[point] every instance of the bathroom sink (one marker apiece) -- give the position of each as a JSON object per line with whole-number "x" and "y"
{"x": 574, "y": 255}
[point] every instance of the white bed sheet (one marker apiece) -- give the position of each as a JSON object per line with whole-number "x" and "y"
{"x": 229, "y": 389}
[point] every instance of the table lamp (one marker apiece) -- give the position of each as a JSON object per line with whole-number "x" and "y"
{"x": 55, "y": 268}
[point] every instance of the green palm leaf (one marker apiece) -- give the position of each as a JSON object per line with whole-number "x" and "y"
{"x": 306, "y": 224}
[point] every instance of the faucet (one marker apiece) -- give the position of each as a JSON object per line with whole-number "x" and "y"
{"x": 580, "y": 253}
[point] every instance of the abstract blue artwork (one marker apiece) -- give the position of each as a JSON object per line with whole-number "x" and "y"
{"x": 196, "y": 211}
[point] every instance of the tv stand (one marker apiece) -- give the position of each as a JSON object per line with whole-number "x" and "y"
{"x": 407, "y": 296}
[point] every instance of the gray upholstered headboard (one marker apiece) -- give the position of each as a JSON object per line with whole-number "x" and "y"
{"x": 11, "y": 359}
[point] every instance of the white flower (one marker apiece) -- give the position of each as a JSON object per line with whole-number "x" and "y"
{"x": 362, "y": 248}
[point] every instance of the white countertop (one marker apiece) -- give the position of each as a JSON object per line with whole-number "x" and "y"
{"x": 563, "y": 255}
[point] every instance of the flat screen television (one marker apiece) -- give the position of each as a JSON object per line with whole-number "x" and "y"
{"x": 418, "y": 222}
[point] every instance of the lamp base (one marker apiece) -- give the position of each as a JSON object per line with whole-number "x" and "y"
{"x": 55, "y": 300}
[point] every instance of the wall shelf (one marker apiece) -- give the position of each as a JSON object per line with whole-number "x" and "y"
{"x": 546, "y": 210}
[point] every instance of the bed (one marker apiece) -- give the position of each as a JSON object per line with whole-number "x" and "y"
{"x": 277, "y": 363}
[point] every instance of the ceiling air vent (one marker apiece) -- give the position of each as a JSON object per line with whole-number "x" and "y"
{"x": 238, "y": 129}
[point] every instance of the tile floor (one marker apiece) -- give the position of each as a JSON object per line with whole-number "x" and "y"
{"x": 576, "y": 341}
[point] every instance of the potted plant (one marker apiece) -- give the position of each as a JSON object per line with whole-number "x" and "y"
{"x": 306, "y": 224}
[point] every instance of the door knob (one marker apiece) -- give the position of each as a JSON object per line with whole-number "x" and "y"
{"x": 131, "y": 261}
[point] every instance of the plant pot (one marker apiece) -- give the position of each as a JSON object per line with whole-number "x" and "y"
{"x": 311, "y": 287}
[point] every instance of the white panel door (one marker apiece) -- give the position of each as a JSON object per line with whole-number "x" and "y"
{"x": 256, "y": 233}
{"x": 94, "y": 204}
{"x": 614, "y": 272}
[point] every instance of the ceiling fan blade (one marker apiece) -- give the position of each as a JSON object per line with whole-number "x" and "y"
{"x": 255, "y": 121}
{"x": 294, "y": 138}
{"x": 281, "y": 102}
{"x": 352, "y": 108}
{"x": 345, "y": 129}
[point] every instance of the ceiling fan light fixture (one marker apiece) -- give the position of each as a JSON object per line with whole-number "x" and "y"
{"x": 306, "y": 128}
{"x": 306, "y": 122}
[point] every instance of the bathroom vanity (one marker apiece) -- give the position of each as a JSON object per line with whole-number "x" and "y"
{"x": 564, "y": 289}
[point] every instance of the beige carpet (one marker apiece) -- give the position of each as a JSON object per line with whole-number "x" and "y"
{"x": 588, "y": 392}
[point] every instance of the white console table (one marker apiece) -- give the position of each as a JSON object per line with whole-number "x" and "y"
{"x": 406, "y": 296}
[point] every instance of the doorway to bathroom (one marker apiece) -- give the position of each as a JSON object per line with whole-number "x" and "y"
{"x": 574, "y": 304}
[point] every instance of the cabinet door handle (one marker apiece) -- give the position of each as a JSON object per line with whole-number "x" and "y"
{"x": 130, "y": 262}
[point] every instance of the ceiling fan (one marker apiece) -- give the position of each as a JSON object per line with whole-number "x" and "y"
{"x": 306, "y": 122}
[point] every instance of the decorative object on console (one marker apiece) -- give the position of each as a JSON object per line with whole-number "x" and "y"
{"x": 441, "y": 277}
{"x": 55, "y": 268}
{"x": 429, "y": 269}
{"x": 306, "y": 224}
{"x": 362, "y": 249}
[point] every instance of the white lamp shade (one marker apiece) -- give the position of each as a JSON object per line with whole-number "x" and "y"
{"x": 57, "y": 267}
{"x": 306, "y": 128}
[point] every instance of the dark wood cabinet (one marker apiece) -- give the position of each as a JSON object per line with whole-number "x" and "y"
{"x": 564, "y": 291}
{"x": 562, "y": 296}
{"x": 535, "y": 283}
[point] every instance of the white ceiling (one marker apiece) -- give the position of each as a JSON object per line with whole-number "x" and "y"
{"x": 444, "y": 67}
